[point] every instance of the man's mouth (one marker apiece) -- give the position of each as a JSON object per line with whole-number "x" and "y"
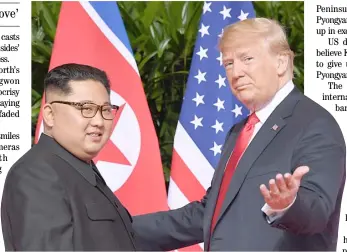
{"x": 94, "y": 134}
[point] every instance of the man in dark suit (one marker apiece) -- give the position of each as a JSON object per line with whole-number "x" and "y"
{"x": 288, "y": 142}
{"x": 54, "y": 197}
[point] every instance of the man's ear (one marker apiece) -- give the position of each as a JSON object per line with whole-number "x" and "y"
{"x": 48, "y": 115}
{"x": 282, "y": 63}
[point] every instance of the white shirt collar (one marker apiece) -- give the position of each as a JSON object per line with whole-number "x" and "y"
{"x": 265, "y": 112}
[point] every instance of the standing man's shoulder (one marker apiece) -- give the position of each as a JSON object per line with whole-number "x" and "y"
{"x": 314, "y": 110}
{"x": 37, "y": 165}
{"x": 317, "y": 118}
{"x": 36, "y": 205}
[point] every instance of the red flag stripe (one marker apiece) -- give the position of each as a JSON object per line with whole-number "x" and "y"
{"x": 185, "y": 179}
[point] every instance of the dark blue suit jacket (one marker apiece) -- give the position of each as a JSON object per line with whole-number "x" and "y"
{"x": 307, "y": 135}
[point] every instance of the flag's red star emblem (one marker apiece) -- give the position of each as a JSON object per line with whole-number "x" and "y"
{"x": 110, "y": 152}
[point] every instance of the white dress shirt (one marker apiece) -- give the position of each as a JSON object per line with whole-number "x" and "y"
{"x": 265, "y": 112}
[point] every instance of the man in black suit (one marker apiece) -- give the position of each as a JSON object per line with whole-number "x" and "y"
{"x": 288, "y": 142}
{"x": 54, "y": 197}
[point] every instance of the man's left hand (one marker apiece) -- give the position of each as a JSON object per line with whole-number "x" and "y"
{"x": 283, "y": 190}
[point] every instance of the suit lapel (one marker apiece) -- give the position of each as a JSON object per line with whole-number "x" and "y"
{"x": 228, "y": 148}
{"x": 256, "y": 147}
{"x": 216, "y": 183}
{"x": 273, "y": 126}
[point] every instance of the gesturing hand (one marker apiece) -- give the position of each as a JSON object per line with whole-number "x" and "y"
{"x": 283, "y": 190}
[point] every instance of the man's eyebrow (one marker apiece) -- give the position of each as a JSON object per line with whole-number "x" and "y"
{"x": 243, "y": 53}
{"x": 89, "y": 101}
{"x": 226, "y": 58}
{"x": 238, "y": 54}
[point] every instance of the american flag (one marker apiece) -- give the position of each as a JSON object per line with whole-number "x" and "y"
{"x": 209, "y": 109}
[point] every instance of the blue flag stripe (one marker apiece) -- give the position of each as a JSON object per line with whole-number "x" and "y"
{"x": 110, "y": 14}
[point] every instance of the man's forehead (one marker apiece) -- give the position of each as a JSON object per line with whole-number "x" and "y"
{"x": 236, "y": 51}
{"x": 86, "y": 86}
{"x": 88, "y": 90}
{"x": 82, "y": 83}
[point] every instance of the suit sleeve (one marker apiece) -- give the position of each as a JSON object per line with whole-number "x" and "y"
{"x": 322, "y": 148}
{"x": 37, "y": 211}
{"x": 172, "y": 229}
{"x": 177, "y": 228}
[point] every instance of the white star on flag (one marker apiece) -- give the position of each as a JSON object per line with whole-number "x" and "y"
{"x": 220, "y": 81}
{"x": 204, "y": 30}
{"x": 219, "y": 104}
{"x": 207, "y": 7}
{"x": 221, "y": 34}
{"x": 216, "y": 148}
{"x": 199, "y": 99}
{"x": 197, "y": 121}
{"x": 200, "y": 76}
{"x": 220, "y": 59}
{"x": 218, "y": 126}
{"x": 225, "y": 12}
{"x": 202, "y": 53}
{"x": 237, "y": 110}
{"x": 243, "y": 15}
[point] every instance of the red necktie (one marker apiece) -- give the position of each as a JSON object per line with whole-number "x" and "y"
{"x": 240, "y": 146}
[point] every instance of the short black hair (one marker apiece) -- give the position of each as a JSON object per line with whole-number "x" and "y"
{"x": 59, "y": 77}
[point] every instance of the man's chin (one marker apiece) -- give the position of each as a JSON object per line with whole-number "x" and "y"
{"x": 93, "y": 151}
{"x": 246, "y": 99}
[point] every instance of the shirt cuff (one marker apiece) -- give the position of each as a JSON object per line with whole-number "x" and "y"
{"x": 274, "y": 214}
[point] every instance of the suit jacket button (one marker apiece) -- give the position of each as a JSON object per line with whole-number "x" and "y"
{"x": 132, "y": 234}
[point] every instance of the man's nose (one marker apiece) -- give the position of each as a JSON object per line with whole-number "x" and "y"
{"x": 237, "y": 70}
{"x": 98, "y": 120}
